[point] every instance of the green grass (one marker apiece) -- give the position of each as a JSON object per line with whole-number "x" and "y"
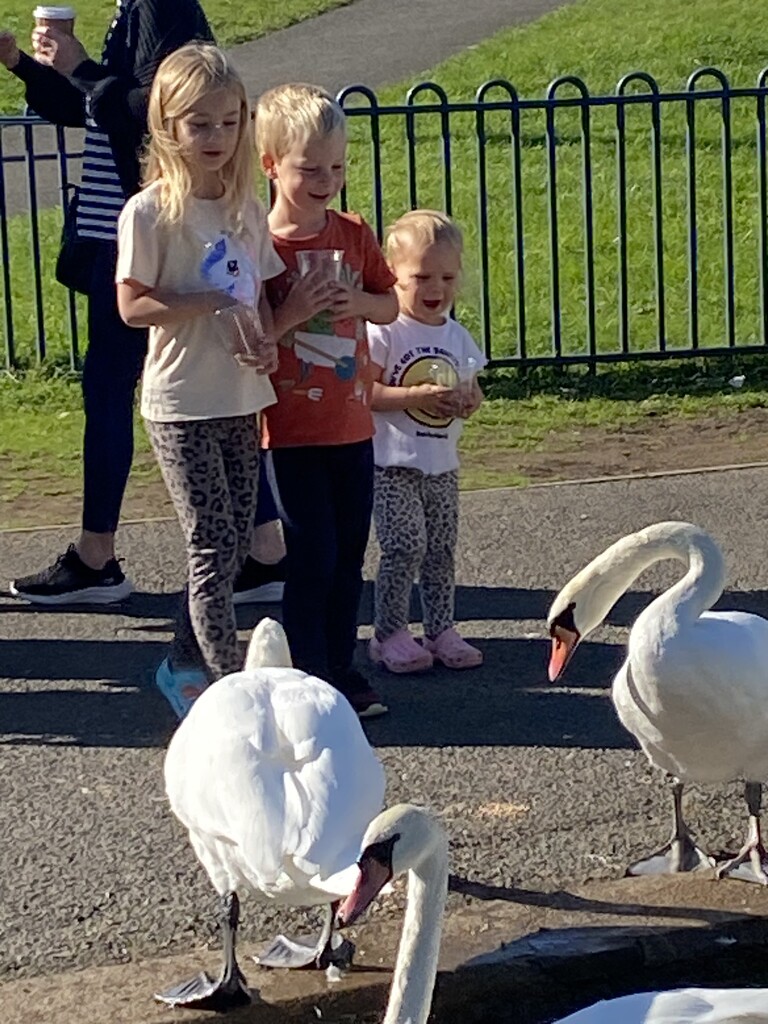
{"x": 232, "y": 23}
{"x": 599, "y": 40}
{"x": 605, "y": 40}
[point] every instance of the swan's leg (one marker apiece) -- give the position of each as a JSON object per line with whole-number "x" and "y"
{"x": 681, "y": 852}
{"x": 751, "y": 862}
{"x": 330, "y": 949}
{"x": 226, "y": 992}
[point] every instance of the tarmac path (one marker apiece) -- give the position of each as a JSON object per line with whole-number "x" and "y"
{"x": 539, "y": 785}
{"x": 369, "y": 42}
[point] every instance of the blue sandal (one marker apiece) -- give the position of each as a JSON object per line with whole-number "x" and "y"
{"x": 181, "y": 687}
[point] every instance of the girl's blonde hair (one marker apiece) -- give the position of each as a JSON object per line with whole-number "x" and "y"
{"x": 182, "y": 78}
{"x": 417, "y": 230}
{"x": 295, "y": 113}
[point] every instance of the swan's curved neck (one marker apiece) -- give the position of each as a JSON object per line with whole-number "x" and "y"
{"x": 616, "y": 569}
{"x": 414, "y": 978}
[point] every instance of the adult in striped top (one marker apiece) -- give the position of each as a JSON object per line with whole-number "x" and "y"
{"x": 109, "y": 99}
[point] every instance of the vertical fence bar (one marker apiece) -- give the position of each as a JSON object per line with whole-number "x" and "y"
{"x": 29, "y": 148}
{"x": 621, "y": 216}
{"x": 482, "y": 224}
{"x": 728, "y": 253}
{"x": 5, "y": 256}
{"x": 762, "y": 201}
{"x": 658, "y": 219}
{"x": 554, "y": 276}
{"x": 693, "y": 242}
{"x": 517, "y": 196}
{"x": 374, "y": 117}
{"x": 64, "y": 189}
{"x": 589, "y": 226}
{"x": 511, "y": 101}
{"x": 443, "y": 107}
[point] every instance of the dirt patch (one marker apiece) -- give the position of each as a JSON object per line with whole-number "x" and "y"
{"x": 657, "y": 444}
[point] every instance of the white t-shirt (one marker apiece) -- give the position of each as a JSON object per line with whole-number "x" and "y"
{"x": 188, "y": 372}
{"x": 414, "y": 353}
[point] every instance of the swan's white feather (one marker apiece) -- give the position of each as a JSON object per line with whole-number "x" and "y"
{"x": 274, "y": 778}
{"x": 694, "y": 687}
{"x": 684, "y": 1006}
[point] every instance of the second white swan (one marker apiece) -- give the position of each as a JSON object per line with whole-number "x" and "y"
{"x": 694, "y": 687}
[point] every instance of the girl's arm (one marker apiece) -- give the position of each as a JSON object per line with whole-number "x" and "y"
{"x": 436, "y": 399}
{"x": 140, "y": 306}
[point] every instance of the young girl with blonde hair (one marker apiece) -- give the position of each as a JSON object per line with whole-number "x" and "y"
{"x": 425, "y": 366}
{"x": 194, "y": 248}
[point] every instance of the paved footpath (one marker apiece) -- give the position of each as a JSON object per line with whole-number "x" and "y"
{"x": 370, "y": 42}
{"x": 539, "y": 785}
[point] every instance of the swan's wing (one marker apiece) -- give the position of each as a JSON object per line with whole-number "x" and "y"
{"x": 224, "y": 776}
{"x": 683, "y": 1006}
{"x": 626, "y": 1010}
{"x": 337, "y": 785}
{"x": 276, "y": 764}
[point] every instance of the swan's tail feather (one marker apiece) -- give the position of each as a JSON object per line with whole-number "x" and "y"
{"x": 268, "y": 647}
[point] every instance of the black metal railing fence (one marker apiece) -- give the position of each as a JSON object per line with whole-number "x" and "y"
{"x": 599, "y": 228}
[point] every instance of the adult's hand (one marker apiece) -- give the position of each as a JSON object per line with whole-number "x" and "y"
{"x": 60, "y": 50}
{"x": 10, "y": 54}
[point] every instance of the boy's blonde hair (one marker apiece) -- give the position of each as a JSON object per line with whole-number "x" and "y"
{"x": 417, "y": 230}
{"x": 294, "y": 113}
{"x": 182, "y": 78}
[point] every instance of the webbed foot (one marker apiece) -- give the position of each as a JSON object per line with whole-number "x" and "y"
{"x": 296, "y": 954}
{"x": 749, "y": 865}
{"x": 206, "y": 993}
{"x": 677, "y": 856}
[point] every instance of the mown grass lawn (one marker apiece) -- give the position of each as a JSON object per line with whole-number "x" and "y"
{"x": 598, "y": 40}
{"x": 232, "y": 23}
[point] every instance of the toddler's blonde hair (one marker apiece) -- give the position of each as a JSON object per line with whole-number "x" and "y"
{"x": 294, "y": 113}
{"x": 182, "y": 78}
{"x": 419, "y": 229}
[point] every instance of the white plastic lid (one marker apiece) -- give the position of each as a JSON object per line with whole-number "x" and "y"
{"x": 54, "y": 13}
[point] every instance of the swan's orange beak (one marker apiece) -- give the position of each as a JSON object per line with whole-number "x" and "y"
{"x": 372, "y": 878}
{"x": 564, "y": 643}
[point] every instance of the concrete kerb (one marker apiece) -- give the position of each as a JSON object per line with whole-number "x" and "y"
{"x": 494, "y": 966}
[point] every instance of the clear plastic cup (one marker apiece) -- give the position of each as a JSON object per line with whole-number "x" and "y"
{"x": 62, "y": 18}
{"x": 242, "y": 333}
{"x": 328, "y": 260}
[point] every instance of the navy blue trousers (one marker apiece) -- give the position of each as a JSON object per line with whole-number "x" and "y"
{"x": 111, "y": 371}
{"x": 324, "y": 494}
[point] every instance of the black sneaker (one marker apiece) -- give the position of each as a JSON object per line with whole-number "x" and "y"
{"x": 259, "y": 583}
{"x": 70, "y": 581}
{"x": 360, "y": 694}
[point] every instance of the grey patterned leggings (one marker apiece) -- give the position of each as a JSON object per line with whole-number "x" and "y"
{"x": 210, "y": 468}
{"x": 416, "y": 517}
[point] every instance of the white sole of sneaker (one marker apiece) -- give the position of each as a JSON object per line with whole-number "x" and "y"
{"x": 269, "y": 593}
{"x": 90, "y": 595}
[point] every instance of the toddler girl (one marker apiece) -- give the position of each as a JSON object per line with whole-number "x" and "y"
{"x": 425, "y": 367}
{"x": 193, "y": 244}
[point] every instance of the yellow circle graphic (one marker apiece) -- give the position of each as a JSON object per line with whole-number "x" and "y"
{"x": 430, "y": 370}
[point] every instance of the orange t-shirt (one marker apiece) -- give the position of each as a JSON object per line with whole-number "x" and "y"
{"x": 323, "y": 380}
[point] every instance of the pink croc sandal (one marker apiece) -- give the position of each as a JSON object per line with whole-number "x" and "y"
{"x": 454, "y": 652}
{"x": 400, "y": 653}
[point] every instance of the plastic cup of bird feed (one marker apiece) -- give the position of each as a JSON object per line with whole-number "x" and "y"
{"x": 329, "y": 261}
{"x": 62, "y": 18}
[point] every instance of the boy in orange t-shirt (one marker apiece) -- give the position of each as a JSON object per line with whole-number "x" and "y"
{"x": 319, "y": 432}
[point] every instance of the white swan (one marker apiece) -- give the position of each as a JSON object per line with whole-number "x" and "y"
{"x": 683, "y": 1006}
{"x": 694, "y": 687}
{"x": 274, "y": 779}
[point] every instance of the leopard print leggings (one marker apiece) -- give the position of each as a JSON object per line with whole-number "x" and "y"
{"x": 416, "y": 517}
{"x": 211, "y": 470}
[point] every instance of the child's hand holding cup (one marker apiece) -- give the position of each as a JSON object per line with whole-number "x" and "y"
{"x": 244, "y": 337}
